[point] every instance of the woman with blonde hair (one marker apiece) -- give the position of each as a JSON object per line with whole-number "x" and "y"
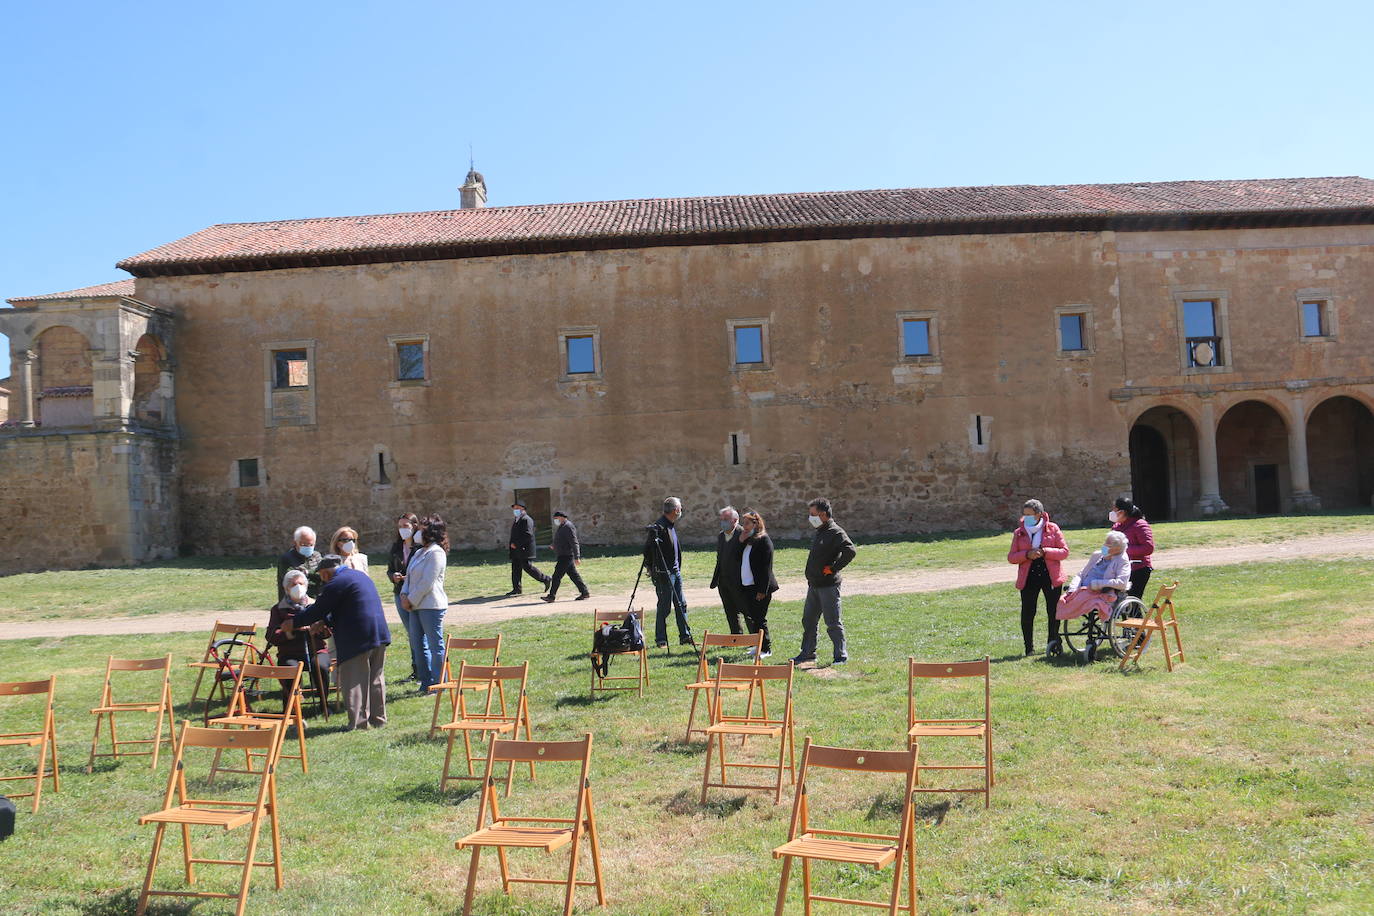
{"x": 344, "y": 543}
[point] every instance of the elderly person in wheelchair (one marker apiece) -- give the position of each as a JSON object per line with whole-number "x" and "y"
{"x": 1096, "y": 596}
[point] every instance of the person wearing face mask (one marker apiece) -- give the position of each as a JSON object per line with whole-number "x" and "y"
{"x": 1038, "y": 550}
{"x": 522, "y": 550}
{"x": 831, "y": 551}
{"x": 567, "y": 552}
{"x": 1127, "y": 518}
{"x": 423, "y": 595}
{"x": 725, "y": 579}
{"x": 345, "y": 544}
{"x": 757, "y": 582}
{"x": 663, "y": 560}
{"x": 1105, "y": 576}
{"x": 401, "y": 550}
{"x": 302, "y": 556}
{"x": 350, "y": 605}
{"x": 297, "y": 647}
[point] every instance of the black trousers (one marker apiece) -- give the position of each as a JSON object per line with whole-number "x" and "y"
{"x": 566, "y": 566}
{"x": 315, "y": 679}
{"x": 733, "y": 600}
{"x": 756, "y": 615}
{"x": 1140, "y": 577}
{"x": 521, "y": 563}
{"x": 1037, "y": 584}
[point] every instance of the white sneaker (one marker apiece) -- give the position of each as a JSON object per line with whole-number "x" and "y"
{"x": 767, "y": 654}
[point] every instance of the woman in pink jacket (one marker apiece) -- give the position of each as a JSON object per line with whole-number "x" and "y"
{"x": 1127, "y": 518}
{"x": 1038, "y": 550}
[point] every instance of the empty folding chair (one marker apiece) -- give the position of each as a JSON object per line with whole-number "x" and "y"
{"x": 448, "y": 686}
{"x": 641, "y": 656}
{"x": 109, "y": 708}
{"x": 874, "y": 850}
{"x": 919, "y": 730}
{"x": 488, "y": 722}
{"x": 502, "y": 833}
{"x": 750, "y": 725}
{"x": 704, "y": 683}
{"x": 45, "y": 738}
{"x": 235, "y": 638}
{"x": 255, "y": 684}
{"x": 225, "y": 814}
{"x": 1154, "y": 622}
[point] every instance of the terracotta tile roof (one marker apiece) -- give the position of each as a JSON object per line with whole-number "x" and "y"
{"x": 117, "y": 288}
{"x": 760, "y": 217}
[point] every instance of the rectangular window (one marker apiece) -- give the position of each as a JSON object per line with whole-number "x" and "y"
{"x": 748, "y": 344}
{"x": 1071, "y": 332}
{"x": 1200, "y": 333}
{"x": 292, "y": 369}
{"x": 248, "y": 472}
{"x": 410, "y": 361}
{"x": 581, "y": 355}
{"x": 1314, "y": 323}
{"x": 915, "y": 336}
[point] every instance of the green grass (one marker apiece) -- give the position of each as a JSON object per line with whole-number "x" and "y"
{"x": 1241, "y": 783}
{"x": 238, "y": 583}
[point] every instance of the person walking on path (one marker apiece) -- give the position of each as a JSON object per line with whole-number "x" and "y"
{"x": 302, "y": 556}
{"x": 522, "y": 550}
{"x": 757, "y": 582}
{"x": 726, "y": 577}
{"x": 663, "y": 559}
{"x": 352, "y": 608}
{"x": 831, "y": 551}
{"x": 567, "y": 554}
{"x": 1128, "y": 518}
{"x": 1038, "y": 549}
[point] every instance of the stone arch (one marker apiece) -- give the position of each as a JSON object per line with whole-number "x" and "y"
{"x": 1340, "y": 452}
{"x": 63, "y": 378}
{"x": 1252, "y": 457}
{"x": 1164, "y": 461}
{"x": 148, "y": 367}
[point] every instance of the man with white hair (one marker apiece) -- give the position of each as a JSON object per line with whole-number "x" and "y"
{"x": 726, "y": 578}
{"x": 302, "y": 556}
{"x": 663, "y": 559}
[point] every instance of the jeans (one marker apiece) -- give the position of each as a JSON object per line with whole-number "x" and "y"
{"x": 429, "y": 636}
{"x": 823, "y": 601}
{"x": 406, "y": 624}
{"x": 566, "y": 566}
{"x": 669, "y": 588}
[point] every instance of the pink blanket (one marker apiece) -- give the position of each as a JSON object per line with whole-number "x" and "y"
{"x": 1081, "y": 601}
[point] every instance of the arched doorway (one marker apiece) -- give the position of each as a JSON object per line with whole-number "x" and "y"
{"x": 1252, "y": 459}
{"x": 1340, "y": 453}
{"x": 1164, "y": 468}
{"x": 63, "y": 378}
{"x": 148, "y": 405}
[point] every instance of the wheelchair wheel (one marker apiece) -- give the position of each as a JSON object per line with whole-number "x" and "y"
{"x": 1120, "y": 637}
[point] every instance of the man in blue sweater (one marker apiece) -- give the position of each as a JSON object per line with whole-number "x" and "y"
{"x": 350, "y": 605}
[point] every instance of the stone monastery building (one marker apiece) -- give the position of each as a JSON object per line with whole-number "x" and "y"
{"x": 928, "y": 358}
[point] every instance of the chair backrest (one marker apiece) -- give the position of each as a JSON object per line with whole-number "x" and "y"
{"x": 724, "y": 641}
{"x": 221, "y": 630}
{"x": 264, "y": 739}
{"x": 942, "y": 670}
{"x": 759, "y": 675}
{"x": 1164, "y": 598}
{"x": 854, "y": 760}
{"x": 470, "y": 644}
{"x": 600, "y": 617}
{"x": 23, "y": 688}
{"x": 113, "y": 664}
{"x": 502, "y": 750}
{"x": 496, "y": 677}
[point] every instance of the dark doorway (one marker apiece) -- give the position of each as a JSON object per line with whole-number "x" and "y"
{"x": 1150, "y": 472}
{"x": 539, "y": 506}
{"x": 1267, "y": 489}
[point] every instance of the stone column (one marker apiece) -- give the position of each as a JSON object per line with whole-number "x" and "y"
{"x": 1304, "y": 500}
{"x": 26, "y": 361}
{"x": 1210, "y": 501}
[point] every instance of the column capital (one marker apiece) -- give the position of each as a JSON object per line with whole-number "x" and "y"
{"x": 28, "y": 356}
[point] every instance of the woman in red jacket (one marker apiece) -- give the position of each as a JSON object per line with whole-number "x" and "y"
{"x": 1038, "y": 550}
{"x": 1127, "y": 518}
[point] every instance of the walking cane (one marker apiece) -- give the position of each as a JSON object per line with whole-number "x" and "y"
{"x": 316, "y": 675}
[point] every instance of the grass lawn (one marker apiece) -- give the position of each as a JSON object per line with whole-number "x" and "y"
{"x": 1241, "y": 783}
{"x": 238, "y": 583}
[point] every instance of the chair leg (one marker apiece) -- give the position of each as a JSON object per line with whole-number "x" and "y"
{"x": 472, "y": 882}
{"x": 644, "y": 669}
{"x": 434, "y": 719}
{"x": 572, "y": 870}
{"x": 782, "y": 762}
{"x": 806, "y": 886}
{"x": 911, "y": 882}
{"x": 248, "y": 866}
{"x": 195, "y": 691}
{"x": 691, "y": 715}
{"x": 52, "y": 746}
{"x": 595, "y": 842}
{"x": 38, "y": 773}
{"x": 782, "y": 885}
{"x": 706, "y": 772}
{"x": 157, "y": 735}
{"x": 448, "y": 755}
{"x": 504, "y": 865}
{"x": 152, "y": 866}
{"x": 187, "y": 865}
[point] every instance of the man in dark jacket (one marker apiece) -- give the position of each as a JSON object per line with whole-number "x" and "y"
{"x": 663, "y": 559}
{"x": 726, "y": 578}
{"x": 350, "y": 605}
{"x": 522, "y": 549}
{"x": 302, "y": 556}
{"x": 831, "y": 551}
{"x": 567, "y": 553}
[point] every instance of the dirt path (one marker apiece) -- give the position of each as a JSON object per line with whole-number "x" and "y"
{"x": 483, "y": 611}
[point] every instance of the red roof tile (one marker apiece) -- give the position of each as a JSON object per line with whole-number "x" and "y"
{"x": 117, "y": 288}
{"x": 760, "y": 217}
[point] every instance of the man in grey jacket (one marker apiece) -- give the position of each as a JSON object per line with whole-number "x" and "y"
{"x": 831, "y": 551}
{"x": 567, "y": 554}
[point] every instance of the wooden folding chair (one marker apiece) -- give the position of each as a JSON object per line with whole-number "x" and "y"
{"x": 641, "y": 675}
{"x": 239, "y": 631}
{"x": 705, "y": 683}
{"x": 242, "y": 715}
{"x": 504, "y": 833}
{"x": 109, "y": 708}
{"x": 875, "y": 850}
{"x": 919, "y": 729}
{"x": 1154, "y": 622}
{"x": 750, "y": 725}
{"x": 490, "y": 723}
{"x": 45, "y": 739}
{"x": 448, "y": 685}
{"x": 223, "y": 813}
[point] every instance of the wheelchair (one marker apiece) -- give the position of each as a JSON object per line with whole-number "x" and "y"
{"x": 1086, "y": 637}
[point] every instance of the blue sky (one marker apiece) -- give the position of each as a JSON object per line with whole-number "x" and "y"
{"x": 129, "y": 125}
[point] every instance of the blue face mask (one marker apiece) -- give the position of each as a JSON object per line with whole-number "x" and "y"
{"x": 1030, "y": 521}
{"x": 305, "y": 551}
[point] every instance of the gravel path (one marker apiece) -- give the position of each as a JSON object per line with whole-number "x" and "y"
{"x": 483, "y": 611}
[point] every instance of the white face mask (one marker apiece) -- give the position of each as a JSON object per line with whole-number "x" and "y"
{"x": 419, "y": 537}
{"x": 297, "y": 592}
{"x": 815, "y": 520}
{"x": 405, "y": 532}
{"x": 557, "y": 522}
{"x": 1113, "y": 516}
{"x": 348, "y": 546}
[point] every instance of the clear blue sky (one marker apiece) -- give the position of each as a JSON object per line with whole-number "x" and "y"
{"x": 129, "y": 125}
